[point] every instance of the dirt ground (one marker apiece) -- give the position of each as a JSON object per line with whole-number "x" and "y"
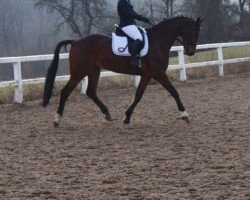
{"x": 155, "y": 157}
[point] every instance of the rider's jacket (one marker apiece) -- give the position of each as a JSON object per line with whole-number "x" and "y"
{"x": 126, "y": 13}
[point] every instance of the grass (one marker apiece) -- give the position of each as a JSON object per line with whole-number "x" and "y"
{"x": 35, "y": 91}
{"x": 32, "y": 92}
{"x": 210, "y": 55}
{"x": 6, "y": 95}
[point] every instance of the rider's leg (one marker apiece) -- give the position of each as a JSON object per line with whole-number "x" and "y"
{"x": 133, "y": 32}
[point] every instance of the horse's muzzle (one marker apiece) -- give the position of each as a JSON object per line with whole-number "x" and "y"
{"x": 190, "y": 51}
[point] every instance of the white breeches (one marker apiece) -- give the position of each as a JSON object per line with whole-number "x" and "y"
{"x": 133, "y": 32}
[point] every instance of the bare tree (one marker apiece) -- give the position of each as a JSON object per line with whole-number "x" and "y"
{"x": 3, "y": 28}
{"x": 159, "y": 9}
{"x": 81, "y": 16}
{"x": 167, "y": 7}
{"x": 243, "y": 12}
{"x": 244, "y": 18}
{"x": 242, "y": 4}
{"x": 11, "y": 25}
{"x": 212, "y": 12}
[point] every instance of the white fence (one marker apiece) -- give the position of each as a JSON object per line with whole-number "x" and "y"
{"x": 18, "y": 82}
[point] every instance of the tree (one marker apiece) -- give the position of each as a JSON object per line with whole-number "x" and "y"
{"x": 244, "y": 18}
{"x": 242, "y": 12}
{"x": 212, "y": 11}
{"x": 11, "y": 25}
{"x": 159, "y": 9}
{"x": 167, "y": 7}
{"x": 81, "y": 16}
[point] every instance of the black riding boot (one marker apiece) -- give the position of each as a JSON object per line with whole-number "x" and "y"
{"x": 135, "y": 59}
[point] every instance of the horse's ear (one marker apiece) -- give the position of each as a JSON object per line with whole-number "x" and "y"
{"x": 199, "y": 21}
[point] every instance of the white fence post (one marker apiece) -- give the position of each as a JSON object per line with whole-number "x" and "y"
{"x": 183, "y": 75}
{"x": 84, "y": 85}
{"x": 136, "y": 80}
{"x": 220, "y": 58}
{"x": 18, "y": 91}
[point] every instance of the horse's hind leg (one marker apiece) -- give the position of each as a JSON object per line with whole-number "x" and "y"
{"x": 163, "y": 79}
{"x": 91, "y": 91}
{"x": 65, "y": 93}
{"x": 138, "y": 95}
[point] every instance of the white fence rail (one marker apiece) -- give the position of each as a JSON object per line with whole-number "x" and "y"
{"x": 18, "y": 82}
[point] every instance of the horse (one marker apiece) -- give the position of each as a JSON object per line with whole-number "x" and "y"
{"x": 88, "y": 55}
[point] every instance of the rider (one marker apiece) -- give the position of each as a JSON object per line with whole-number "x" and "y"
{"x": 127, "y": 24}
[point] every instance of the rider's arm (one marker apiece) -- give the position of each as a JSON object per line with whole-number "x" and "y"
{"x": 129, "y": 12}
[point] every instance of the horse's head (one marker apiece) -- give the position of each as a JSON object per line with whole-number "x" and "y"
{"x": 190, "y": 34}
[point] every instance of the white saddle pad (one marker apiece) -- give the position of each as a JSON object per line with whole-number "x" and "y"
{"x": 120, "y": 45}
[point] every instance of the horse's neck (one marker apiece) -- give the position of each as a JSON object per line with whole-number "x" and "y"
{"x": 165, "y": 34}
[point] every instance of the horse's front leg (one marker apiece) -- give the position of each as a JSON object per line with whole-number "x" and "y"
{"x": 164, "y": 81}
{"x": 139, "y": 92}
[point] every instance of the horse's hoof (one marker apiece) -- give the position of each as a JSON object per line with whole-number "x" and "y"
{"x": 126, "y": 121}
{"x": 184, "y": 116}
{"x": 186, "y": 119}
{"x": 57, "y": 120}
{"x": 56, "y": 125}
{"x": 108, "y": 118}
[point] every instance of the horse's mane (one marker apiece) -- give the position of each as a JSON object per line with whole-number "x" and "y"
{"x": 167, "y": 21}
{"x": 176, "y": 18}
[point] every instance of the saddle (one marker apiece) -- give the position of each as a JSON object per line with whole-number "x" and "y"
{"x": 122, "y": 43}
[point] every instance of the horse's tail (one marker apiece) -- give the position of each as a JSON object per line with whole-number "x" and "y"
{"x": 51, "y": 73}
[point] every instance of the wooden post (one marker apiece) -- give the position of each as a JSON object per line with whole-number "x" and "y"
{"x": 220, "y": 58}
{"x": 183, "y": 75}
{"x": 18, "y": 91}
{"x": 84, "y": 85}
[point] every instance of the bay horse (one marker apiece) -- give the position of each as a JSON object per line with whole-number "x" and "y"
{"x": 90, "y": 54}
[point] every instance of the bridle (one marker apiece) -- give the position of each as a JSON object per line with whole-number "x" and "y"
{"x": 183, "y": 43}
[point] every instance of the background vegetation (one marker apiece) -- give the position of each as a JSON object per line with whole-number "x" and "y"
{"x": 36, "y": 26}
